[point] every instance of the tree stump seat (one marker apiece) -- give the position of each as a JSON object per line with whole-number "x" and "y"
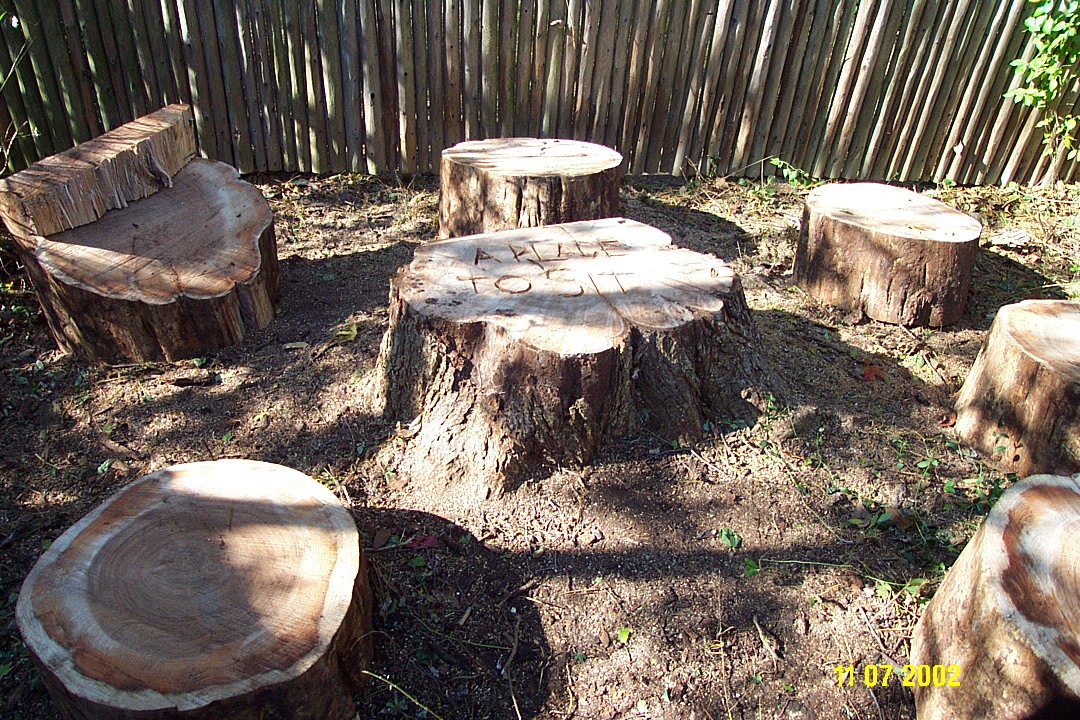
{"x": 1005, "y": 623}
{"x": 139, "y": 252}
{"x": 508, "y": 183}
{"x": 1020, "y": 402}
{"x": 896, "y": 255}
{"x": 228, "y": 589}
{"x": 513, "y": 350}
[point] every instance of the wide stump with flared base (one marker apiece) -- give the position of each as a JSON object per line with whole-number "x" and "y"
{"x": 228, "y": 589}
{"x": 1004, "y": 627}
{"x": 514, "y": 350}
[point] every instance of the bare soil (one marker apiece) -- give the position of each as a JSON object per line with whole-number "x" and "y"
{"x": 728, "y": 579}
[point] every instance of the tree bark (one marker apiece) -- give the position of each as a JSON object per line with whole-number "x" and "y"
{"x": 1007, "y": 614}
{"x": 509, "y": 183}
{"x": 512, "y": 350}
{"x": 186, "y": 270}
{"x": 1020, "y": 403}
{"x": 209, "y": 590}
{"x": 898, "y": 256}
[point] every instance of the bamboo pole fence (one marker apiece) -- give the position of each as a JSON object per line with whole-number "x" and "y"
{"x": 887, "y": 90}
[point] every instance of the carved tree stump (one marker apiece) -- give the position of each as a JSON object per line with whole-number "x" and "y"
{"x": 508, "y": 183}
{"x": 898, "y": 256}
{"x": 181, "y": 271}
{"x": 1008, "y": 615}
{"x": 523, "y": 347}
{"x": 1020, "y": 403}
{"x": 228, "y": 589}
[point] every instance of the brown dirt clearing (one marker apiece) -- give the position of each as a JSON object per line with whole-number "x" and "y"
{"x": 723, "y": 580}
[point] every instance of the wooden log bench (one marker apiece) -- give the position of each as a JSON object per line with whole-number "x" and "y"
{"x": 1000, "y": 640}
{"x": 137, "y": 251}
{"x": 898, "y": 256}
{"x": 508, "y": 183}
{"x": 513, "y": 350}
{"x": 228, "y": 589}
{"x": 1020, "y": 402}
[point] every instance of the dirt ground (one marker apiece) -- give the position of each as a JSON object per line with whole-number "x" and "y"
{"x": 723, "y": 580}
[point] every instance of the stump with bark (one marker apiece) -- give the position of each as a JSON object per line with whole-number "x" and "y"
{"x": 508, "y": 183}
{"x": 139, "y": 253}
{"x": 898, "y": 256}
{"x": 1005, "y": 623}
{"x": 227, "y": 589}
{"x": 1020, "y": 403}
{"x": 513, "y": 350}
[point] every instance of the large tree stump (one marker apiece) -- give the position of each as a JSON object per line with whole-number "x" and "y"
{"x": 186, "y": 270}
{"x": 229, "y": 589}
{"x": 136, "y": 253}
{"x": 508, "y": 183}
{"x": 514, "y": 349}
{"x": 1007, "y": 615}
{"x": 898, "y": 256}
{"x": 1020, "y": 403}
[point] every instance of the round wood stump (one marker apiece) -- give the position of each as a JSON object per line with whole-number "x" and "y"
{"x": 536, "y": 346}
{"x": 898, "y": 256}
{"x": 508, "y": 183}
{"x": 186, "y": 270}
{"x": 1007, "y": 615}
{"x": 1020, "y": 403}
{"x": 227, "y": 589}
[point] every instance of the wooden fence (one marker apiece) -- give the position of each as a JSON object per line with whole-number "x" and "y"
{"x": 874, "y": 89}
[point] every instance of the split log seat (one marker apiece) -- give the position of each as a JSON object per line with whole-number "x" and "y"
{"x": 513, "y": 350}
{"x": 509, "y": 183}
{"x": 137, "y": 251}
{"x": 228, "y": 589}
{"x": 1001, "y": 637}
{"x": 1020, "y": 403}
{"x": 896, "y": 255}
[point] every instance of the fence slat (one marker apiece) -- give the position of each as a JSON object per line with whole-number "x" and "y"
{"x": 421, "y": 83}
{"x": 42, "y": 75}
{"x": 455, "y": 74}
{"x": 575, "y": 32}
{"x": 761, "y": 93}
{"x": 144, "y": 56}
{"x": 258, "y": 122}
{"x": 436, "y": 82}
{"x": 170, "y": 26}
{"x": 523, "y": 75}
{"x": 538, "y": 90}
{"x": 332, "y": 93}
{"x": 712, "y": 92}
{"x": 19, "y": 128}
{"x": 556, "y": 32}
{"x": 612, "y": 128}
{"x": 507, "y": 90}
{"x": 76, "y": 74}
{"x": 274, "y": 115}
{"x": 405, "y": 86}
{"x": 584, "y": 102}
{"x": 274, "y": 22}
{"x": 670, "y": 91}
{"x": 654, "y": 65}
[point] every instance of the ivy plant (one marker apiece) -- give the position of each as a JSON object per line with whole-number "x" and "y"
{"x": 1052, "y": 71}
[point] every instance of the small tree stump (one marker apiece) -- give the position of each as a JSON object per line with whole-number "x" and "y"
{"x": 228, "y": 589}
{"x": 1020, "y": 403}
{"x": 1007, "y": 615}
{"x": 898, "y": 256}
{"x": 508, "y": 183}
{"x": 513, "y": 349}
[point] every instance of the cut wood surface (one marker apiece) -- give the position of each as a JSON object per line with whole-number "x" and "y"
{"x": 508, "y": 183}
{"x": 80, "y": 185}
{"x": 209, "y": 590}
{"x": 1003, "y": 626}
{"x": 1020, "y": 403}
{"x": 510, "y": 350}
{"x": 898, "y": 256}
{"x": 186, "y": 270}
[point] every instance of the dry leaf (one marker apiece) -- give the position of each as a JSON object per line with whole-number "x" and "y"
{"x": 295, "y": 345}
{"x": 872, "y": 372}
{"x": 898, "y": 518}
{"x": 947, "y": 420}
{"x": 345, "y": 333}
